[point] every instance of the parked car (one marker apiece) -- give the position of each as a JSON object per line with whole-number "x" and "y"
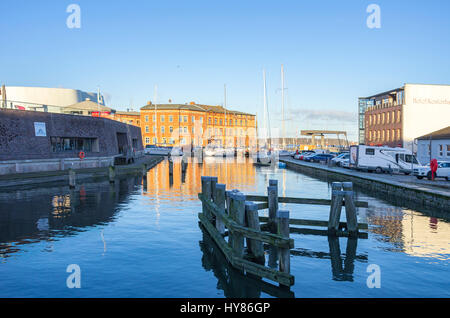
{"x": 304, "y": 155}
{"x": 319, "y": 157}
{"x": 338, "y": 160}
{"x": 345, "y": 163}
{"x": 443, "y": 171}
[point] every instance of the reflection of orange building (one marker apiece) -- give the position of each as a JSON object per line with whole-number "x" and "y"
{"x": 197, "y": 125}
{"x": 231, "y": 172}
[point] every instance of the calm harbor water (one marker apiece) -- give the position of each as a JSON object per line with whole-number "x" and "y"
{"x": 136, "y": 241}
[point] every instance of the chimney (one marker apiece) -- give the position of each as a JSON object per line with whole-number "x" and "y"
{"x": 149, "y": 103}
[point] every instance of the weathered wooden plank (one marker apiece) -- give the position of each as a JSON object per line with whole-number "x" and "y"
{"x": 335, "y": 207}
{"x": 350, "y": 209}
{"x": 283, "y": 230}
{"x": 361, "y": 226}
{"x": 266, "y": 272}
{"x": 310, "y": 201}
{"x": 238, "y": 213}
{"x": 221, "y": 243}
{"x": 305, "y": 231}
{"x": 219, "y": 200}
{"x": 262, "y": 206}
{"x": 232, "y": 226}
{"x": 255, "y": 247}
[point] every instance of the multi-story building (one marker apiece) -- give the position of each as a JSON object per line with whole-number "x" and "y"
{"x": 396, "y": 117}
{"x": 196, "y": 125}
{"x": 129, "y": 117}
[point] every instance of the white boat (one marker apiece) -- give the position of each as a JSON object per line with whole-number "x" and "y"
{"x": 157, "y": 151}
{"x": 229, "y": 152}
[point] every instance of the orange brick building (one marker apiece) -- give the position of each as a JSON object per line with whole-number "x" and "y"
{"x": 196, "y": 125}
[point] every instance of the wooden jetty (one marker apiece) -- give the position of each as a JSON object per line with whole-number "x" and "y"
{"x": 232, "y": 221}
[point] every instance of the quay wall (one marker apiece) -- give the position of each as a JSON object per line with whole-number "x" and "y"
{"x": 391, "y": 189}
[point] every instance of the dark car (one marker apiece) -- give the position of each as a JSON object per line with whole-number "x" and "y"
{"x": 319, "y": 158}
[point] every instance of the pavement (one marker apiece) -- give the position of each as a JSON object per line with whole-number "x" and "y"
{"x": 437, "y": 186}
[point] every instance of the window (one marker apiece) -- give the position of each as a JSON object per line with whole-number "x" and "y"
{"x": 74, "y": 144}
{"x": 147, "y": 129}
{"x": 170, "y": 119}
{"x": 382, "y": 118}
{"x": 147, "y": 140}
{"x": 185, "y": 130}
{"x": 163, "y": 129}
{"x": 155, "y": 140}
{"x": 164, "y": 140}
{"x": 209, "y": 120}
{"x": 193, "y": 119}
{"x": 215, "y": 121}
{"x": 387, "y": 117}
{"x": 441, "y": 150}
{"x": 398, "y": 116}
{"x": 171, "y": 129}
{"x": 387, "y": 135}
{"x": 162, "y": 118}
{"x": 231, "y": 122}
{"x": 221, "y": 122}
{"x": 154, "y": 118}
{"x": 201, "y": 120}
{"x": 146, "y": 119}
{"x": 370, "y": 151}
{"x": 154, "y": 129}
{"x": 448, "y": 150}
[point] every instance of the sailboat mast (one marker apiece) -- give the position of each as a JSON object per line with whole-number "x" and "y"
{"x": 156, "y": 116}
{"x": 283, "y": 131}
{"x": 225, "y": 107}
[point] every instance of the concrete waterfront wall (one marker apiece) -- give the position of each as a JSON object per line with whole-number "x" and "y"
{"x": 390, "y": 189}
{"x": 18, "y": 140}
{"x": 40, "y": 165}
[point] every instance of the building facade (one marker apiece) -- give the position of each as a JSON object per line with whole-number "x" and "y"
{"x": 196, "y": 125}
{"x": 396, "y": 117}
{"x": 41, "y": 141}
{"x": 435, "y": 145}
{"x": 43, "y": 98}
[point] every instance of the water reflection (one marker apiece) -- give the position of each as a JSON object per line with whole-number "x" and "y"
{"x": 232, "y": 281}
{"x": 44, "y": 214}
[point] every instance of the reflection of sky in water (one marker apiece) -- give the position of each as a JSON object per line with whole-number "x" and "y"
{"x": 132, "y": 241}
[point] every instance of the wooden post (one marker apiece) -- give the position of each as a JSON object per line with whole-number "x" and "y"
{"x": 255, "y": 247}
{"x": 238, "y": 215}
{"x": 184, "y": 165}
{"x": 170, "y": 167}
{"x": 335, "y": 207}
{"x": 214, "y": 181}
{"x": 72, "y": 178}
{"x": 350, "y": 209}
{"x": 219, "y": 200}
{"x": 112, "y": 174}
{"x": 272, "y": 194}
{"x": 283, "y": 230}
{"x": 206, "y": 191}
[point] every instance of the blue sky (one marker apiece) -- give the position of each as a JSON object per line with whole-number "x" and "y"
{"x": 190, "y": 49}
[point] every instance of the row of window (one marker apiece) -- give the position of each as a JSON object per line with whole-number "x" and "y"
{"x": 384, "y": 118}
{"x": 184, "y": 119}
{"x": 74, "y": 144}
{"x": 221, "y": 131}
{"x": 384, "y": 135}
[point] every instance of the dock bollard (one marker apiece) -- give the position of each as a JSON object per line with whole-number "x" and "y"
{"x": 72, "y": 178}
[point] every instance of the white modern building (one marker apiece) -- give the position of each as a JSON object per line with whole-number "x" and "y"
{"x": 435, "y": 145}
{"x": 399, "y": 116}
{"x": 43, "y": 98}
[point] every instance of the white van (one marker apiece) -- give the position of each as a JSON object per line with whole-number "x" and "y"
{"x": 383, "y": 159}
